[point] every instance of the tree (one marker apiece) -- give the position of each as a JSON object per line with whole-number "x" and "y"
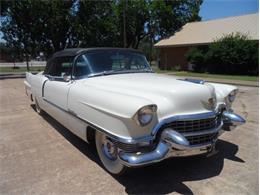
{"x": 154, "y": 19}
{"x": 31, "y": 26}
{"x": 169, "y": 16}
{"x": 95, "y": 24}
{"x": 125, "y": 23}
{"x": 57, "y": 25}
{"x": 45, "y": 25}
{"x": 17, "y": 27}
{"x": 137, "y": 15}
{"x": 8, "y": 53}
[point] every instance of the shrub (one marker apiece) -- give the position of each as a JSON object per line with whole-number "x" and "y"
{"x": 231, "y": 54}
{"x": 195, "y": 56}
{"x": 177, "y": 67}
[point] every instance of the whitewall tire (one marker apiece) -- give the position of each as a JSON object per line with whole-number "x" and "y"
{"x": 107, "y": 153}
{"x": 38, "y": 108}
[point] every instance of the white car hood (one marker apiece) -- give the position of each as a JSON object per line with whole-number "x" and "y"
{"x": 172, "y": 96}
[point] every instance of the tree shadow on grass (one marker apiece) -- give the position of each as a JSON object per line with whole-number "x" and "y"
{"x": 164, "y": 177}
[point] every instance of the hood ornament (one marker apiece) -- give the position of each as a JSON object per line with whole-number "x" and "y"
{"x": 197, "y": 81}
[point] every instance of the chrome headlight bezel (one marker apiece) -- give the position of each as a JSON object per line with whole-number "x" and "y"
{"x": 145, "y": 115}
{"x": 231, "y": 98}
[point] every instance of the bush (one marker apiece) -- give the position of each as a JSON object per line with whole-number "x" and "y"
{"x": 195, "y": 56}
{"x": 177, "y": 67}
{"x": 231, "y": 54}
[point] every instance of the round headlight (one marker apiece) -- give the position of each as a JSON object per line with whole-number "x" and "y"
{"x": 232, "y": 96}
{"x": 145, "y": 115}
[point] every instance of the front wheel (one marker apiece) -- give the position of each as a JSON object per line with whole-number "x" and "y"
{"x": 107, "y": 152}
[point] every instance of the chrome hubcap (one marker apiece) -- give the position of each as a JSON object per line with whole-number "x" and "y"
{"x": 109, "y": 148}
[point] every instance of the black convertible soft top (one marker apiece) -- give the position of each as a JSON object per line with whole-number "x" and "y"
{"x": 77, "y": 51}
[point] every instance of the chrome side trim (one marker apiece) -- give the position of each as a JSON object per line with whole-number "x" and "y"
{"x": 43, "y": 85}
{"x": 147, "y": 138}
{"x": 115, "y": 137}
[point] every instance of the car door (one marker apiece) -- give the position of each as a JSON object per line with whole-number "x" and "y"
{"x": 55, "y": 90}
{"x": 81, "y": 70}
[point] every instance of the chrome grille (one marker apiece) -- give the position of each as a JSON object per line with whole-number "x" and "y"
{"x": 188, "y": 126}
{"x": 132, "y": 148}
{"x": 196, "y": 126}
{"x": 200, "y": 139}
{"x": 126, "y": 147}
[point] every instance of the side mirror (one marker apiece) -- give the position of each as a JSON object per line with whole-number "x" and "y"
{"x": 66, "y": 78}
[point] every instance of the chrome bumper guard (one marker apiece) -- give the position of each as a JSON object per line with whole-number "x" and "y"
{"x": 231, "y": 120}
{"x": 174, "y": 144}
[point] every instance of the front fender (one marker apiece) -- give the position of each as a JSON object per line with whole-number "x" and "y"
{"x": 222, "y": 91}
{"x": 108, "y": 110}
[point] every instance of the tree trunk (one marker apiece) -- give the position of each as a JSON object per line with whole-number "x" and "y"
{"x": 124, "y": 23}
{"x": 27, "y": 62}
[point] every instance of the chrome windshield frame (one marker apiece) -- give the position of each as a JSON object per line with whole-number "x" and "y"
{"x": 148, "y": 69}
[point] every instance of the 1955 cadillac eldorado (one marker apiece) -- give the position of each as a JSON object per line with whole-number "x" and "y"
{"x": 135, "y": 116}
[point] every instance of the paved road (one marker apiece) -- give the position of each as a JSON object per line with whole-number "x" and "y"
{"x": 39, "y": 156}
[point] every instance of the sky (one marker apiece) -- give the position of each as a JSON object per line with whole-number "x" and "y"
{"x": 212, "y": 9}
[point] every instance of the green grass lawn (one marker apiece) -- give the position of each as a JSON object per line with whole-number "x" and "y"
{"x": 177, "y": 73}
{"x": 21, "y": 69}
{"x": 213, "y": 76}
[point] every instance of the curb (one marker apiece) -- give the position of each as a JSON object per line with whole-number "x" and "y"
{"x": 14, "y": 76}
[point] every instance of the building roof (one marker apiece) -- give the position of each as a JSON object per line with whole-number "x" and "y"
{"x": 205, "y": 32}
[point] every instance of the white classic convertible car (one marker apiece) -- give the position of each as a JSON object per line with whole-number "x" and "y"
{"x": 135, "y": 116}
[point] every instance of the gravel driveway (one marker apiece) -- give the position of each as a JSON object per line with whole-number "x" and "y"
{"x": 39, "y": 156}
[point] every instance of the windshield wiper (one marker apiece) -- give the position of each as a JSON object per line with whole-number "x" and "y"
{"x": 102, "y": 73}
{"x": 97, "y": 74}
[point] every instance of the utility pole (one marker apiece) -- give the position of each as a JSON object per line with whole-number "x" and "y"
{"x": 124, "y": 21}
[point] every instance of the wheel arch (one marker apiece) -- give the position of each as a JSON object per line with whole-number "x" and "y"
{"x": 90, "y": 134}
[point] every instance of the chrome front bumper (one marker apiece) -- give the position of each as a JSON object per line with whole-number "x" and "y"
{"x": 174, "y": 144}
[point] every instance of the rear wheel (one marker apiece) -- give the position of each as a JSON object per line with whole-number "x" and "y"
{"x": 38, "y": 108}
{"x": 107, "y": 152}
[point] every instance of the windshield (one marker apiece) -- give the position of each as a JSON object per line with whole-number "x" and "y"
{"x": 110, "y": 62}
